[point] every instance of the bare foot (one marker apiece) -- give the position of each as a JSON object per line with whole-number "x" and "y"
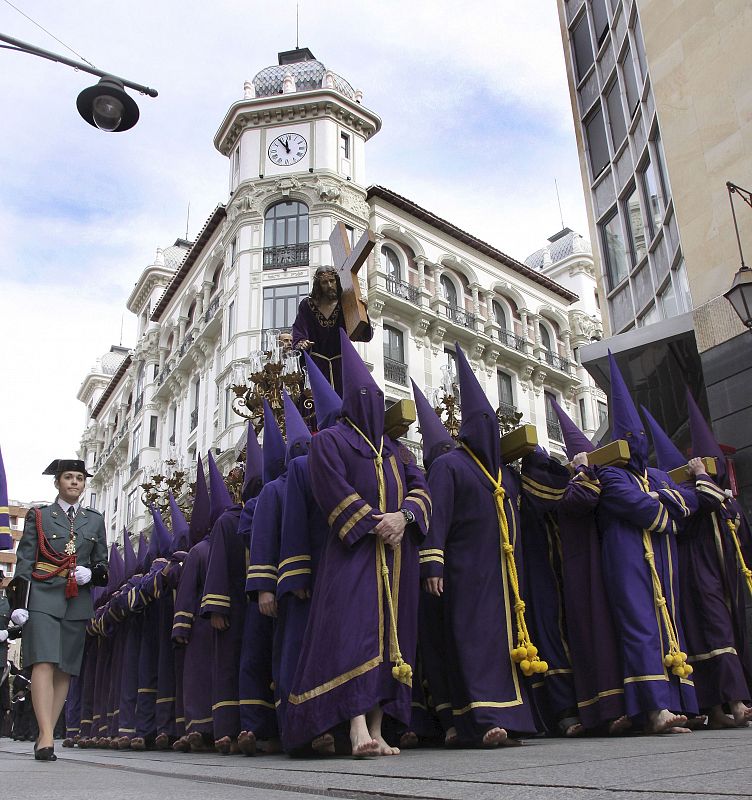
{"x": 138, "y": 743}
{"x": 742, "y": 714}
{"x": 162, "y": 742}
{"x": 247, "y": 743}
{"x": 271, "y": 746}
{"x": 196, "y": 742}
{"x": 664, "y": 721}
{"x": 365, "y": 748}
{"x": 323, "y": 745}
{"x": 696, "y": 723}
{"x": 495, "y": 737}
{"x": 451, "y": 739}
{"x": 384, "y": 748}
{"x": 181, "y": 746}
{"x": 619, "y": 725}
{"x": 409, "y": 740}
{"x": 573, "y": 731}
{"x": 223, "y": 745}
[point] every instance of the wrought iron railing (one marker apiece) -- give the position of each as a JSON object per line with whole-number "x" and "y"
{"x": 185, "y": 344}
{"x": 402, "y": 289}
{"x": 556, "y": 361}
{"x": 286, "y": 255}
{"x": 395, "y": 371}
{"x": 554, "y": 429}
{"x": 507, "y": 409}
{"x": 139, "y": 403}
{"x": 460, "y": 316}
{"x": 194, "y": 419}
{"x": 163, "y": 375}
{"x": 512, "y": 340}
{"x": 134, "y": 466}
{"x": 212, "y": 309}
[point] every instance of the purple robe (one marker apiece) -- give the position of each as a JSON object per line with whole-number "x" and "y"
{"x": 129, "y": 675}
{"x": 626, "y": 510}
{"x": 593, "y": 643}
{"x": 148, "y": 656}
{"x": 165, "y": 705}
{"x": 463, "y": 547}
{"x": 224, "y": 594}
{"x": 197, "y": 658}
{"x": 345, "y": 666}
{"x": 707, "y": 610}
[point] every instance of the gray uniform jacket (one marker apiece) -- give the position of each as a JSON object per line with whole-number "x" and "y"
{"x": 4, "y": 620}
{"x": 91, "y": 549}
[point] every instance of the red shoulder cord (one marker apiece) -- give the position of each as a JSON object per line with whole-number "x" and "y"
{"x": 63, "y": 563}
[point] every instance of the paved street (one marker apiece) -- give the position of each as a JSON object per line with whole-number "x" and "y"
{"x": 706, "y": 765}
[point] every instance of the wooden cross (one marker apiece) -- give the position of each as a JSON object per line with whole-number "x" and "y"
{"x": 348, "y": 261}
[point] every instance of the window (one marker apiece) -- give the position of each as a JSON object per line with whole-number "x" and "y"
{"x": 613, "y": 246}
{"x": 600, "y": 21}
{"x": 669, "y": 302}
{"x": 552, "y": 421}
{"x": 394, "y": 356}
{"x": 449, "y": 290}
{"x": 583, "y": 416}
{"x": 233, "y": 251}
{"x": 583, "y": 48}
{"x": 93, "y": 500}
{"x": 682, "y": 286}
{"x": 602, "y": 413}
{"x": 230, "y": 415}
{"x": 545, "y": 338}
{"x": 153, "y": 421}
{"x": 196, "y": 392}
{"x": 595, "y": 134}
{"x": 136, "y": 442}
{"x": 653, "y": 198}
{"x": 286, "y": 235}
{"x": 616, "y": 120}
{"x": 500, "y": 316}
{"x": 651, "y": 316}
{"x": 230, "y": 320}
{"x": 173, "y": 423}
{"x": 506, "y": 396}
{"x": 393, "y": 267}
{"x": 630, "y": 83}
{"x": 344, "y": 145}
{"x": 131, "y": 508}
{"x": 636, "y": 227}
{"x": 281, "y": 304}
{"x": 350, "y": 231}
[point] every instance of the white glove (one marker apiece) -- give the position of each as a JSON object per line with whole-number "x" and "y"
{"x": 3, "y": 635}
{"x": 19, "y": 617}
{"x": 83, "y": 575}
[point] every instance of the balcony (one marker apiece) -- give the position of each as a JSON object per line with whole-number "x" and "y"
{"x": 395, "y": 371}
{"x": 164, "y": 374}
{"x": 185, "y": 344}
{"x": 506, "y": 409}
{"x": 134, "y": 466}
{"x": 212, "y": 309}
{"x": 139, "y": 404}
{"x": 461, "y": 317}
{"x": 286, "y": 255}
{"x": 556, "y": 361}
{"x": 512, "y": 340}
{"x": 554, "y": 429}
{"x": 194, "y": 419}
{"x": 402, "y": 289}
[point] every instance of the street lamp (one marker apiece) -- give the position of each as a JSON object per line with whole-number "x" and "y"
{"x": 740, "y": 293}
{"x": 105, "y": 105}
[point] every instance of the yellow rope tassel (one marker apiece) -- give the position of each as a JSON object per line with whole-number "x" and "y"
{"x": 675, "y": 659}
{"x": 401, "y": 670}
{"x": 526, "y": 653}
{"x": 745, "y": 570}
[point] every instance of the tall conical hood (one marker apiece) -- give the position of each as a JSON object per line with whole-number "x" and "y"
{"x": 253, "y": 479}
{"x": 436, "y": 438}
{"x": 6, "y": 537}
{"x": 161, "y": 540}
{"x": 625, "y": 421}
{"x": 703, "y": 441}
{"x": 667, "y": 454}
{"x": 180, "y": 529}
{"x": 274, "y": 446}
{"x": 298, "y": 435}
{"x": 115, "y": 569}
{"x": 142, "y": 554}
{"x": 200, "y": 516}
{"x": 130, "y": 562}
{"x": 221, "y": 499}
{"x": 362, "y": 399}
{"x": 479, "y": 429}
{"x": 575, "y": 440}
{"x": 327, "y": 403}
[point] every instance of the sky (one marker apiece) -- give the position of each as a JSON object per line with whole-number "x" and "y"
{"x": 82, "y": 212}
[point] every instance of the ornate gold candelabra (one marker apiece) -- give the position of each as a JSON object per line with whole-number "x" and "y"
{"x": 170, "y": 478}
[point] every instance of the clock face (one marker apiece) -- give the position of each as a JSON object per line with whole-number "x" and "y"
{"x": 288, "y": 149}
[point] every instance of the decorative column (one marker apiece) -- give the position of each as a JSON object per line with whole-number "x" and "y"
{"x": 182, "y": 322}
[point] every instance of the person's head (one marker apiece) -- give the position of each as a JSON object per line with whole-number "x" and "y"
{"x": 70, "y": 478}
{"x": 326, "y": 285}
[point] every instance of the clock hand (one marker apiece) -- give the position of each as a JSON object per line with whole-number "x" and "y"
{"x": 285, "y": 142}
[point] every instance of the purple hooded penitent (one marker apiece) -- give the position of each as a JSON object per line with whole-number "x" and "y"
{"x": 575, "y": 440}
{"x": 667, "y": 454}
{"x": 161, "y": 540}
{"x": 436, "y": 438}
{"x": 327, "y": 403}
{"x": 142, "y": 554}
{"x": 704, "y": 443}
{"x": 274, "y": 446}
{"x": 625, "y": 421}
{"x": 362, "y": 399}
{"x": 479, "y": 429}
{"x": 253, "y": 479}
{"x": 180, "y": 527}
{"x": 6, "y": 538}
{"x": 201, "y": 514}
{"x": 298, "y": 434}
{"x": 115, "y": 570}
{"x": 220, "y": 495}
{"x": 129, "y": 557}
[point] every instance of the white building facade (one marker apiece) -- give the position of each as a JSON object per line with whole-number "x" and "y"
{"x": 296, "y": 145}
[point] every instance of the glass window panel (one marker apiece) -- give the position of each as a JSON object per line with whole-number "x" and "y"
{"x": 545, "y": 337}
{"x": 602, "y": 413}
{"x": 669, "y": 301}
{"x": 501, "y": 318}
{"x": 450, "y": 292}
{"x": 616, "y": 119}
{"x": 653, "y": 198}
{"x": 595, "y": 133}
{"x": 685, "y": 298}
{"x": 600, "y": 21}
{"x": 392, "y": 263}
{"x": 393, "y": 344}
{"x": 613, "y": 246}
{"x": 636, "y": 227}
{"x": 583, "y": 48}
{"x": 505, "y": 388}
{"x": 630, "y": 83}
{"x": 583, "y": 415}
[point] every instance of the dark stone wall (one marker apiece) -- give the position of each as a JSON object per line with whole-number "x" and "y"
{"x": 727, "y": 370}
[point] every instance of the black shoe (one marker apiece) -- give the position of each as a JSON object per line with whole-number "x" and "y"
{"x": 45, "y": 754}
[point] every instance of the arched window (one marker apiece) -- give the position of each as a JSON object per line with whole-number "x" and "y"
{"x": 545, "y": 338}
{"x": 500, "y": 316}
{"x": 393, "y": 268}
{"x": 449, "y": 290}
{"x": 286, "y": 235}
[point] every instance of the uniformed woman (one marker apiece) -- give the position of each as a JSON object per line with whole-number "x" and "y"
{"x": 62, "y": 553}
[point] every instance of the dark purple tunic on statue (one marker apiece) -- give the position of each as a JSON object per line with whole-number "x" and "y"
{"x": 188, "y": 624}
{"x": 345, "y": 667}
{"x": 626, "y": 510}
{"x": 224, "y": 594}
{"x": 712, "y": 644}
{"x": 593, "y": 644}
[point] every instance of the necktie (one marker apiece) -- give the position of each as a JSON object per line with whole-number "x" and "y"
{"x": 71, "y": 514}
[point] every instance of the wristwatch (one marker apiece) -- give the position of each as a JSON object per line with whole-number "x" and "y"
{"x": 408, "y": 515}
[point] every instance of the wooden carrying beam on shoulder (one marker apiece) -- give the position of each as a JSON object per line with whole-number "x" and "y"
{"x": 613, "y": 454}
{"x": 681, "y": 474}
{"x": 518, "y": 443}
{"x": 399, "y": 417}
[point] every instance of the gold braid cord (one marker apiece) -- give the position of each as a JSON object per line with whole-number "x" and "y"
{"x": 675, "y": 659}
{"x": 526, "y": 653}
{"x": 745, "y": 570}
{"x": 401, "y": 670}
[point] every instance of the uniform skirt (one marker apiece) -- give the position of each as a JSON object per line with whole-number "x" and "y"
{"x": 53, "y": 640}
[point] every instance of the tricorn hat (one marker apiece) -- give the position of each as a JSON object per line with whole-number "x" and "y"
{"x": 60, "y": 465}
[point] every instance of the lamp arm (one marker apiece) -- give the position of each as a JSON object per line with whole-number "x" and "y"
{"x": 32, "y": 50}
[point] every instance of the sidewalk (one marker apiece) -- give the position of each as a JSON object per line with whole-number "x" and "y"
{"x": 709, "y": 765}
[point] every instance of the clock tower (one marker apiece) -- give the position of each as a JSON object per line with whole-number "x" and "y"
{"x": 296, "y": 149}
